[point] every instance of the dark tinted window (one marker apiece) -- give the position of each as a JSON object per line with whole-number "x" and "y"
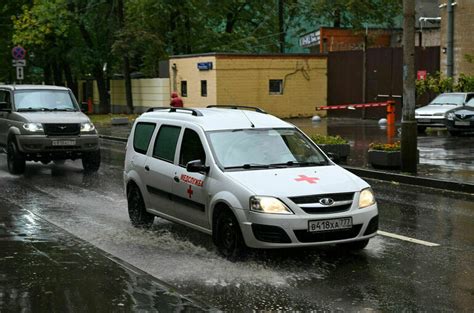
{"x": 184, "y": 88}
{"x": 4, "y": 99}
{"x": 165, "y": 143}
{"x": 191, "y": 148}
{"x": 142, "y": 137}
{"x": 203, "y": 88}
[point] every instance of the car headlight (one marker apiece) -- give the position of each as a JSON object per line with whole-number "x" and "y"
{"x": 268, "y": 205}
{"x": 450, "y": 116}
{"x": 366, "y": 198}
{"x": 87, "y": 127}
{"x": 33, "y": 127}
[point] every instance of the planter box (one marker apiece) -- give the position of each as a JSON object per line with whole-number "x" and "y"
{"x": 340, "y": 150}
{"x": 384, "y": 159}
{"x": 387, "y": 159}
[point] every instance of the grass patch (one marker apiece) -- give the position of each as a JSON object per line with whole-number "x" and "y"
{"x": 106, "y": 119}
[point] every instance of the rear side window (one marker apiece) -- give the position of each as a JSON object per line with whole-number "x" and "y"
{"x": 142, "y": 136}
{"x": 191, "y": 148}
{"x": 165, "y": 143}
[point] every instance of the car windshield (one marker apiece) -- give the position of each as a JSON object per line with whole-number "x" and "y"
{"x": 450, "y": 99}
{"x": 264, "y": 148}
{"x": 44, "y": 100}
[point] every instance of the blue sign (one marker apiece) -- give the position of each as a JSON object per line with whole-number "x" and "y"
{"x": 204, "y": 66}
{"x": 18, "y": 53}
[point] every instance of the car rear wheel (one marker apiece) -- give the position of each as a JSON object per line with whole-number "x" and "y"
{"x": 16, "y": 160}
{"x": 91, "y": 161}
{"x": 228, "y": 237}
{"x": 355, "y": 245}
{"x": 137, "y": 210}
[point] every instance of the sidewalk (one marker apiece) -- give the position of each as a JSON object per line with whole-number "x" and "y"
{"x": 45, "y": 269}
{"x": 443, "y": 158}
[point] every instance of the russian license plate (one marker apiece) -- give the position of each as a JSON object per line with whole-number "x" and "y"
{"x": 63, "y": 143}
{"x": 424, "y": 120}
{"x": 328, "y": 225}
{"x": 461, "y": 123}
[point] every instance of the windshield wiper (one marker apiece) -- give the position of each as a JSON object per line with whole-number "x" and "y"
{"x": 298, "y": 164}
{"x": 248, "y": 166}
{"x": 28, "y": 110}
{"x": 64, "y": 109}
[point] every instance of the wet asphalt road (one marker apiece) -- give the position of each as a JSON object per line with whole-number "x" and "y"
{"x": 389, "y": 275}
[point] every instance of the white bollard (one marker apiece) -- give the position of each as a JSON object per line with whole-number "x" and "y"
{"x": 316, "y": 119}
{"x": 383, "y": 122}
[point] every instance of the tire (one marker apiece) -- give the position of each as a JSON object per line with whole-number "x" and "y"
{"x": 355, "y": 245}
{"x": 16, "y": 160}
{"x": 228, "y": 237}
{"x": 137, "y": 213}
{"x": 91, "y": 161}
{"x": 421, "y": 129}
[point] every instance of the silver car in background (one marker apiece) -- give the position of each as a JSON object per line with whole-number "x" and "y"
{"x": 434, "y": 114}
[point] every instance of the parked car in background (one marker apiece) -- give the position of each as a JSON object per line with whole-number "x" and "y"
{"x": 434, "y": 114}
{"x": 44, "y": 124}
{"x": 461, "y": 119}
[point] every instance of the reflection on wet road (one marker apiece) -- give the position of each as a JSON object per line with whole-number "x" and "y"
{"x": 390, "y": 275}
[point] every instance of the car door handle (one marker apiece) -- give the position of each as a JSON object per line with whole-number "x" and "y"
{"x": 147, "y": 168}
{"x": 176, "y": 179}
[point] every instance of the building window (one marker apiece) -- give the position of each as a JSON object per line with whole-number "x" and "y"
{"x": 184, "y": 88}
{"x": 276, "y": 86}
{"x": 203, "y": 88}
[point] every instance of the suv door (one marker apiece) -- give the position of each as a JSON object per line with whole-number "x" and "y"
{"x": 189, "y": 189}
{"x": 5, "y": 103}
{"x": 160, "y": 169}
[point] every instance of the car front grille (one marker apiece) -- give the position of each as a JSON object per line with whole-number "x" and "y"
{"x": 304, "y": 235}
{"x": 311, "y": 204}
{"x": 62, "y": 129}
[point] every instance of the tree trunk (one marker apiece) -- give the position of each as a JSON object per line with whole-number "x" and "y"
{"x": 104, "y": 107}
{"x": 126, "y": 62}
{"x": 57, "y": 74}
{"x": 47, "y": 75}
{"x": 70, "y": 81}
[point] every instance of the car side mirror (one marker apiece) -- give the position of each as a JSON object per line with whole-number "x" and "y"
{"x": 196, "y": 166}
{"x": 333, "y": 157}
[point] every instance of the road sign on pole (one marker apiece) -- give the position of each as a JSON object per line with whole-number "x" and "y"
{"x": 19, "y": 63}
{"x": 19, "y": 73}
{"x": 18, "y": 53}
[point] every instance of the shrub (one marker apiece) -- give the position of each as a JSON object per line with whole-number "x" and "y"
{"x": 437, "y": 83}
{"x": 328, "y": 140}
{"x": 385, "y": 146}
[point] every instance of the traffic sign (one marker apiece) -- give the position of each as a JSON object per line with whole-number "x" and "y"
{"x": 19, "y": 63}
{"x": 19, "y": 73}
{"x": 18, "y": 53}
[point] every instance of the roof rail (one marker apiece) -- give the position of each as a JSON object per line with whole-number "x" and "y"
{"x": 174, "y": 109}
{"x": 236, "y": 107}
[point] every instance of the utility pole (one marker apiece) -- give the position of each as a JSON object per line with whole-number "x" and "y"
{"x": 409, "y": 130}
{"x": 281, "y": 25}
{"x": 450, "y": 40}
{"x": 126, "y": 61}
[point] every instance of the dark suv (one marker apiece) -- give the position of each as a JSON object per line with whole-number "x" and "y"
{"x": 44, "y": 123}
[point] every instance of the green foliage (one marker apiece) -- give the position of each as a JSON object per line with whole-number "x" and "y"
{"x": 396, "y": 146}
{"x": 438, "y": 83}
{"x": 355, "y": 13}
{"x": 328, "y": 140}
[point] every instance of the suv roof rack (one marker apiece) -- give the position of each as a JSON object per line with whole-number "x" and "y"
{"x": 173, "y": 110}
{"x": 236, "y": 107}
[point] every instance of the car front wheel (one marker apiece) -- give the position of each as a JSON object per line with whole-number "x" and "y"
{"x": 137, "y": 210}
{"x": 228, "y": 237}
{"x": 91, "y": 161}
{"x": 16, "y": 161}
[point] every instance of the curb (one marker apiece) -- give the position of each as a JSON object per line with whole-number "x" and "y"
{"x": 412, "y": 180}
{"x": 400, "y": 178}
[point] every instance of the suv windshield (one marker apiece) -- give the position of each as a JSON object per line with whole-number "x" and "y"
{"x": 448, "y": 99}
{"x": 264, "y": 148}
{"x": 43, "y": 100}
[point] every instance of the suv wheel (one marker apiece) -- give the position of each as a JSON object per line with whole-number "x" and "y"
{"x": 228, "y": 237}
{"x": 137, "y": 210}
{"x": 16, "y": 161}
{"x": 355, "y": 245}
{"x": 91, "y": 161}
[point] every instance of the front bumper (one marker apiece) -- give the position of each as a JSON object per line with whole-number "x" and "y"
{"x": 464, "y": 125}
{"x": 42, "y": 146}
{"x": 431, "y": 121}
{"x": 280, "y": 231}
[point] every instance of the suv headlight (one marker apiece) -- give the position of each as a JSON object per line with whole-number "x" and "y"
{"x": 268, "y": 205}
{"x": 366, "y": 198}
{"x": 33, "y": 127}
{"x": 450, "y": 116}
{"x": 87, "y": 127}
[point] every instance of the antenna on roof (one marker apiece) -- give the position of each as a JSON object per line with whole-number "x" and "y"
{"x": 251, "y": 124}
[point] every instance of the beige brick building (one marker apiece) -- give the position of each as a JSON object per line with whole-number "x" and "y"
{"x": 286, "y": 85}
{"x": 463, "y": 36}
